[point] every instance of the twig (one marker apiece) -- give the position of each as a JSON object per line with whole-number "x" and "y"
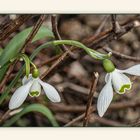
{"x": 57, "y": 35}
{"x": 34, "y": 31}
{"x": 54, "y": 66}
{"x": 11, "y": 26}
{"x": 48, "y": 61}
{"x": 108, "y": 36}
{"x": 82, "y": 108}
{"x": 2, "y": 84}
{"x": 75, "y": 87}
{"x": 122, "y": 55}
{"x": 95, "y": 118}
{"x": 68, "y": 108}
{"x": 115, "y": 25}
{"x": 8, "y": 114}
{"x": 98, "y": 31}
{"x": 101, "y": 42}
{"x": 113, "y": 19}
{"x": 131, "y": 19}
{"x": 135, "y": 124}
{"x": 5, "y": 115}
{"x": 75, "y": 120}
{"x": 61, "y": 118}
{"x": 90, "y": 98}
{"x": 55, "y": 29}
{"x": 126, "y": 24}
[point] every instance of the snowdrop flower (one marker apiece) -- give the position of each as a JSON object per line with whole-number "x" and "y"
{"x": 117, "y": 80}
{"x": 32, "y": 86}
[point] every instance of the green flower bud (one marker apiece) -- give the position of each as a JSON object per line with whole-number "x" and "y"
{"x": 108, "y": 65}
{"x": 35, "y": 73}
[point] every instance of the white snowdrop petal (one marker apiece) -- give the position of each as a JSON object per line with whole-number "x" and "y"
{"x": 35, "y": 89}
{"x": 50, "y": 92}
{"x": 25, "y": 80}
{"x": 107, "y": 77}
{"x": 134, "y": 70}
{"x": 105, "y": 98}
{"x": 120, "y": 82}
{"x": 19, "y": 96}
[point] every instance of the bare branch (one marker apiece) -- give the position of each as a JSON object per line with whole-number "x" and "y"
{"x": 90, "y": 98}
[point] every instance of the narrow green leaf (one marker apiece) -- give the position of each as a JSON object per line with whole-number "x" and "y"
{"x": 33, "y": 107}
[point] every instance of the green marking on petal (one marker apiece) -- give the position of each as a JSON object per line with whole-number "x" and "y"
{"x": 34, "y": 94}
{"x": 125, "y": 87}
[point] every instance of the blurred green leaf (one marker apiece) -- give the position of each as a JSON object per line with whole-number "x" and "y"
{"x": 33, "y": 107}
{"x": 1, "y": 50}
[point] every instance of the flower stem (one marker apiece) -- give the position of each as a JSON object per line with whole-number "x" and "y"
{"x": 91, "y": 52}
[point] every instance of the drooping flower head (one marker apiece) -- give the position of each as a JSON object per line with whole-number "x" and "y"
{"x": 117, "y": 80}
{"x": 32, "y": 86}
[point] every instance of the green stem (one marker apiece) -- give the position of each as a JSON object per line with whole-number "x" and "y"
{"x": 33, "y": 64}
{"x": 27, "y": 63}
{"x": 91, "y": 52}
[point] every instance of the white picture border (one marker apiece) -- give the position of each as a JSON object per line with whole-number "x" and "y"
{"x": 69, "y": 6}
